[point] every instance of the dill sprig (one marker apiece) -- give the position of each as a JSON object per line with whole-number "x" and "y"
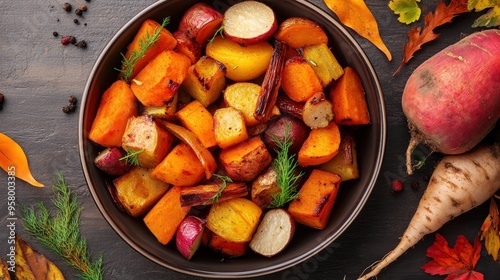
{"x": 145, "y": 44}
{"x": 61, "y": 232}
{"x": 132, "y": 157}
{"x": 219, "y": 31}
{"x": 285, "y": 166}
{"x": 225, "y": 180}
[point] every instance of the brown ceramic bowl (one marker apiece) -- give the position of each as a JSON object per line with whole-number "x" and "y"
{"x": 307, "y": 242}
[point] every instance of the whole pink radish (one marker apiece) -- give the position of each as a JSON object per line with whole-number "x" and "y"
{"x": 452, "y": 100}
{"x": 458, "y": 184}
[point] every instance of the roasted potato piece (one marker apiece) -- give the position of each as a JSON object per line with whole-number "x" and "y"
{"x": 230, "y": 128}
{"x": 317, "y": 111}
{"x": 264, "y": 187}
{"x": 144, "y": 133}
{"x": 137, "y": 192}
{"x": 324, "y": 63}
{"x": 110, "y": 161}
{"x": 205, "y": 80}
{"x": 298, "y": 133}
{"x": 234, "y": 220}
{"x": 244, "y": 161}
{"x": 345, "y": 163}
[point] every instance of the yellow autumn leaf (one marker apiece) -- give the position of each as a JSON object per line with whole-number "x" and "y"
{"x": 490, "y": 231}
{"x": 4, "y": 270}
{"x": 356, "y": 15}
{"x": 14, "y": 161}
{"x": 30, "y": 264}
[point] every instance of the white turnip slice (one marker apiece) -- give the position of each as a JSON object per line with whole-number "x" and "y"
{"x": 458, "y": 184}
{"x": 274, "y": 233}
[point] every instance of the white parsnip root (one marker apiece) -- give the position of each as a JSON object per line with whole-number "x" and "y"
{"x": 458, "y": 184}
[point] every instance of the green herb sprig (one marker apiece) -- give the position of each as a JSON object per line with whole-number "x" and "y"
{"x": 285, "y": 166}
{"x": 145, "y": 44}
{"x": 219, "y": 31}
{"x": 225, "y": 180}
{"x": 61, "y": 233}
{"x": 132, "y": 157}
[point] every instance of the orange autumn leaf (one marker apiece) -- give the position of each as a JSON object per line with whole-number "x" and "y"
{"x": 356, "y": 15}
{"x": 457, "y": 262}
{"x": 490, "y": 231}
{"x": 14, "y": 161}
{"x": 418, "y": 36}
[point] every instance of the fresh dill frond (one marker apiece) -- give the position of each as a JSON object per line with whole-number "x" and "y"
{"x": 225, "y": 180}
{"x": 132, "y": 157}
{"x": 285, "y": 166}
{"x": 128, "y": 63}
{"x": 61, "y": 232}
{"x": 217, "y": 32}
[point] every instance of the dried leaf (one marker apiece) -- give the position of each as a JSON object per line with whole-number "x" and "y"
{"x": 408, "y": 10}
{"x": 14, "y": 161}
{"x": 489, "y": 19}
{"x": 479, "y": 5}
{"x": 457, "y": 262}
{"x": 4, "y": 270}
{"x": 490, "y": 231}
{"x": 32, "y": 265}
{"x": 356, "y": 15}
{"x": 418, "y": 36}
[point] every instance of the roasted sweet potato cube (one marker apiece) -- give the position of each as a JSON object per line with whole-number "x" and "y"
{"x": 323, "y": 63}
{"x": 246, "y": 160}
{"x": 227, "y": 248}
{"x": 205, "y": 80}
{"x": 166, "y": 41}
{"x": 195, "y": 117}
{"x": 316, "y": 198}
{"x": 203, "y": 194}
{"x": 137, "y": 192}
{"x": 117, "y": 105}
{"x": 321, "y": 145}
{"x": 298, "y": 32}
{"x": 181, "y": 167}
{"x": 234, "y": 220}
{"x": 348, "y": 99}
{"x": 167, "y": 214}
{"x": 159, "y": 81}
{"x": 345, "y": 163}
{"x": 144, "y": 133}
{"x": 298, "y": 80}
{"x": 229, "y": 126}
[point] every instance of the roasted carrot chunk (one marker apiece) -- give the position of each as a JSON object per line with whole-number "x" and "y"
{"x": 166, "y": 41}
{"x": 316, "y": 198}
{"x": 298, "y": 32}
{"x": 348, "y": 99}
{"x": 164, "y": 218}
{"x": 118, "y": 104}
{"x": 228, "y": 248}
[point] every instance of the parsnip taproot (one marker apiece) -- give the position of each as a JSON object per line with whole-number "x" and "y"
{"x": 458, "y": 184}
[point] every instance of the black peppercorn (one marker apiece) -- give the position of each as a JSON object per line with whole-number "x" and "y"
{"x": 65, "y": 109}
{"x": 67, "y": 7}
{"x": 72, "y": 39}
{"x": 76, "y": 21}
{"x": 55, "y": 33}
{"x": 72, "y": 99}
{"x": 78, "y": 12}
{"x": 2, "y": 98}
{"x": 81, "y": 44}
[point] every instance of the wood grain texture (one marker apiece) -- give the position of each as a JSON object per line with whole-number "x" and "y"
{"x": 38, "y": 73}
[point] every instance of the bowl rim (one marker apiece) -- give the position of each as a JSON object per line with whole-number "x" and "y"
{"x": 256, "y": 272}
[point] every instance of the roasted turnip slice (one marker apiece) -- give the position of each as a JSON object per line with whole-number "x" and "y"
{"x": 274, "y": 233}
{"x": 249, "y": 22}
{"x": 189, "y": 235}
{"x": 109, "y": 161}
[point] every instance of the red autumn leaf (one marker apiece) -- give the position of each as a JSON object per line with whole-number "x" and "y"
{"x": 457, "y": 263}
{"x": 490, "y": 231}
{"x": 418, "y": 36}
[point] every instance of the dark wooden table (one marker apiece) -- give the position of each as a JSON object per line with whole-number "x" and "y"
{"x": 37, "y": 74}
